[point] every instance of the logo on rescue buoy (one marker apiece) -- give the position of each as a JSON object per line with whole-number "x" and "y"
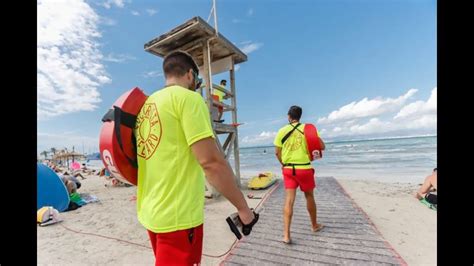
{"x": 109, "y": 163}
{"x": 316, "y": 154}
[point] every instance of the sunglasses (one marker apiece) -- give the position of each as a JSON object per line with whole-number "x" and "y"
{"x": 197, "y": 80}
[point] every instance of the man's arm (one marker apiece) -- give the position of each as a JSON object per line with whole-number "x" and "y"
{"x": 278, "y": 154}
{"x": 220, "y": 175}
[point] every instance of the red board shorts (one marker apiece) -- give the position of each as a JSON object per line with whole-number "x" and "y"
{"x": 219, "y": 107}
{"x": 183, "y": 247}
{"x": 304, "y": 178}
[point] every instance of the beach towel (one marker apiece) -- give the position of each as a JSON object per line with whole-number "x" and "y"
{"x": 87, "y": 198}
{"x": 429, "y": 205}
{"x": 76, "y": 198}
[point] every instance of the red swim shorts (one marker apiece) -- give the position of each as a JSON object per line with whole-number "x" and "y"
{"x": 183, "y": 247}
{"x": 304, "y": 178}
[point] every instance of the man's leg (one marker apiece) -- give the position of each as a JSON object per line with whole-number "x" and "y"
{"x": 306, "y": 179}
{"x": 288, "y": 213}
{"x": 221, "y": 111}
{"x": 311, "y": 206}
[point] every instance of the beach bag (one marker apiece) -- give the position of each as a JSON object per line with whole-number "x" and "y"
{"x": 47, "y": 215}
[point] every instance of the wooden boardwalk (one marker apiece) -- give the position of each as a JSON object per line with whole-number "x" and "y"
{"x": 349, "y": 237}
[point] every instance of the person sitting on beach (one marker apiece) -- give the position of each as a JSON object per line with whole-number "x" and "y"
{"x": 115, "y": 182}
{"x": 71, "y": 186}
{"x": 66, "y": 177}
{"x": 430, "y": 185}
{"x": 86, "y": 170}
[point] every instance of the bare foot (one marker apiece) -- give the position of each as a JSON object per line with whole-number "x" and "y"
{"x": 318, "y": 227}
{"x": 286, "y": 240}
{"x": 418, "y": 196}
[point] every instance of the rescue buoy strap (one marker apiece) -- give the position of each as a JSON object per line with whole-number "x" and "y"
{"x": 121, "y": 118}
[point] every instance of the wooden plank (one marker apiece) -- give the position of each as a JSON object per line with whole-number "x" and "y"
{"x": 234, "y": 121}
{"x": 175, "y": 33}
{"x": 220, "y": 65}
{"x": 220, "y": 88}
{"x": 228, "y": 140}
{"x": 191, "y": 46}
{"x": 227, "y": 154}
{"x": 226, "y": 106}
{"x": 221, "y": 128}
{"x": 208, "y": 80}
{"x": 207, "y": 73}
{"x": 361, "y": 245}
{"x": 189, "y": 31}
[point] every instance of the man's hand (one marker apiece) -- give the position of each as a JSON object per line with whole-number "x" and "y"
{"x": 316, "y": 154}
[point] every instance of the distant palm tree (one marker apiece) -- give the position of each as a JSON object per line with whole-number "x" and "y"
{"x": 53, "y": 150}
{"x": 45, "y": 153}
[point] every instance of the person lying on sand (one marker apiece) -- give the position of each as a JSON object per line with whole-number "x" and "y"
{"x": 75, "y": 174}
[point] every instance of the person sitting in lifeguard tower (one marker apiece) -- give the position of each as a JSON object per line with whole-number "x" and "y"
{"x": 220, "y": 96}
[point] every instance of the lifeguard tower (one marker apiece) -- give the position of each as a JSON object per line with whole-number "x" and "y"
{"x": 214, "y": 54}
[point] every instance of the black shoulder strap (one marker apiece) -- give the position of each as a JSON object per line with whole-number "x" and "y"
{"x": 289, "y": 133}
{"x": 121, "y": 118}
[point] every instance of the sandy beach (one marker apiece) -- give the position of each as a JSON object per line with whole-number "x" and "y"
{"x": 406, "y": 224}
{"x": 409, "y": 226}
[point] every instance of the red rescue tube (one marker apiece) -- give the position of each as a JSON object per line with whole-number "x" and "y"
{"x": 115, "y": 158}
{"x": 312, "y": 142}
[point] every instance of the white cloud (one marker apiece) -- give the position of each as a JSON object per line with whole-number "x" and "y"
{"x": 135, "y": 13}
{"x": 424, "y": 122}
{"x": 263, "y": 138}
{"x": 250, "y": 47}
{"x": 69, "y": 69}
{"x": 420, "y": 107}
{"x": 151, "y": 11}
{"x": 118, "y": 58}
{"x": 152, "y": 74}
{"x": 395, "y": 117}
{"x": 107, "y": 21}
{"x": 373, "y": 126}
{"x": 109, "y": 3}
{"x": 250, "y": 12}
{"x": 367, "y": 108}
{"x": 237, "y": 67}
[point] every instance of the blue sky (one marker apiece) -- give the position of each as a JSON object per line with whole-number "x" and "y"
{"x": 359, "y": 69}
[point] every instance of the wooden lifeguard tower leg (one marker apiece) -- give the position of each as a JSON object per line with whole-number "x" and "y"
{"x": 211, "y": 192}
